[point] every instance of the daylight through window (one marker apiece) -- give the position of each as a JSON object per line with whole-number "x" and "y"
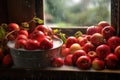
{"x": 69, "y": 13}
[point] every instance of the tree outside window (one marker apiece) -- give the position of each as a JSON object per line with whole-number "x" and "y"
{"x": 68, "y": 13}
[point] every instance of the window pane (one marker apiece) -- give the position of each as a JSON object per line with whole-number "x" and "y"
{"x": 68, "y": 13}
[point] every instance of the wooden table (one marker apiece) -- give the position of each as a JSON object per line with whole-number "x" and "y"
{"x": 62, "y": 73}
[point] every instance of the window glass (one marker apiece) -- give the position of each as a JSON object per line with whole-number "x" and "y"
{"x": 70, "y": 13}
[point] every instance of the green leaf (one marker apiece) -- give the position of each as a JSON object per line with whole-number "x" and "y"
{"x": 78, "y": 33}
{"x": 4, "y": 26}
{"x": 63, "y": 37}
{"x": 25, "y": 25}
{"x": 55, "y": 31}
{"x": 2, "y": 32}
{"x": 38, "y": 20}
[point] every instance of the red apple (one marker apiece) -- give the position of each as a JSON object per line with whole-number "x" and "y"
{"x": 83, "y": 62}
{"x": 83, "y": 41}
{"x": 46, "y": 44}
{"x": 12, "y": 27}
{"x": 108, "y": 32}
{"x": 45, "y": 29}
{"x": 7, "y": 60}
{"x": 103, "y": 24}
{"x": 86, "y": 36}
{"x": 23, "y": 32}
{"x": 21, "y": 43}
{"x": 42, "y": 28}
{"x": 98, "y": 29}
{"x": 98, "y": 64}
{"x": 102, "y": 51}
{"x": 57, "y": 62}
{"x": 91, "y": 30}
{"x": 97, "y": 39}
{"x": 21, "y": 36}
{"x": 117, "y": 51}
{"x": 11, "y": 37}
{"x": 65, "y": 52}
{"x": 63, "y": 46}
{"x": 113, "y": 42}
{"x": 111, "y": 61}
{"x": 68, "y": 60}
{"x": 37, "y": 35}
{"x": 89, "y": 47}
{"x": 71, "y": 40}
{"x": 77, "y": 54}
{"x": 92, "y": 55}
{"x": 50, "y": 31}
{"x": 32, "y": 44}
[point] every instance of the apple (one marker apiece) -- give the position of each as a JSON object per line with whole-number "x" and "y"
{"x": 63, "y": 46}
{"x": 49, "y": 31}
{"x": 103, "y": 24}
{"x": 65, "y": 52}
{"x": 71, "y": 40}
{"x": 102, "y": 51}
{"x": 57, "y": 62}
{"x": 7, "y": 60}
{"x": 117, "y": 51}
{"x": 108, "y": 32}
{"x": 88, "y": 37}
{"x": 37, "y": 35}
{"x": 83, "y": 41}
{"x": 97, "y": 39}
{"x": 88, "y": 47}
{"x": 98, "y": 29}
{"x": 74, "y": 47}
{"x": 23, "y": 32}
{"x": 11, "y": 37}
{"x": 83, "y": 62}
{"x": 42, "y": 28}
{"x": 32, "y": 44}
{"x": 21, "y": 43}
{"x": 21, "y": 36}
{"x": 46, "y": 44}
{"x": 113, "y": 42}
{"x": 12, "y": 27}
{"x": 45, "y": 29}
{"x": 111, "y": 61}
{"x": 77, "y": 54}
{"x": 92, "y": 55}
{"x": 91, "y": 30}
{"x": 98, "y": 64}
{"x": 68, "y": 60}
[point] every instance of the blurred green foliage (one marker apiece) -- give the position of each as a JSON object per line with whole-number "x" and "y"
{"x": 86, "y": 12}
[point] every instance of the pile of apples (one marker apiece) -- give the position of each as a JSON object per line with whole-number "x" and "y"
{"x": 40, "y": 38}
{"x": 98, "y": 48}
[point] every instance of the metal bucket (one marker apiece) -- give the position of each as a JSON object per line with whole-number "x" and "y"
{"x": 34, "y": 58}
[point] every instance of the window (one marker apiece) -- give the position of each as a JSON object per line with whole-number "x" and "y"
{"x": 68, "y": 13}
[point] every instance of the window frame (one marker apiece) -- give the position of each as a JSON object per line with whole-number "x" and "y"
{"x": 115, "y": 17}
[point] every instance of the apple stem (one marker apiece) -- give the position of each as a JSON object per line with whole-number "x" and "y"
{"x": 6, "y": 37}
